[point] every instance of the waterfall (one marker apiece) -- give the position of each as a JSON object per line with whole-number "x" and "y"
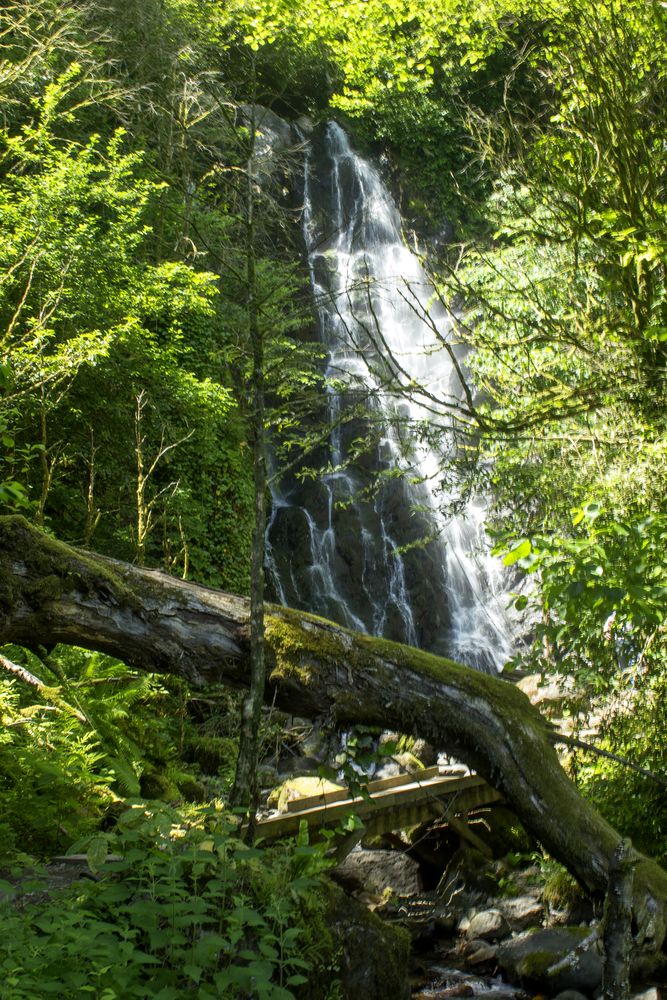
{"x": 364, "y": 545}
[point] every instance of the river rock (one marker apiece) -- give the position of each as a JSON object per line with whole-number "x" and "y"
{"x": 490, "y": 925}
{"x": 378, "y": 871}
{"x": 481, "y": 954}
{"x": 522, "y": 912}
{"x": 527, "y": 958}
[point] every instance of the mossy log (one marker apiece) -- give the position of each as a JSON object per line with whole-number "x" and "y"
{"x": 52, "y": 593}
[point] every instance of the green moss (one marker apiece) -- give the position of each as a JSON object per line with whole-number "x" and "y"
{"x": 158, "y": 785}
{"x": 292, "y": 644}
{"x": 535, "y": 966}
{"x": 59, "y": 568}
{"x": 357, "y": 953}
{"x": 299, "y": 641}
{"x": 190, "y": 789}
{"x": 561, "y": 890}
{"x": 211, "y": 753}
{"x": 49, "y": 588}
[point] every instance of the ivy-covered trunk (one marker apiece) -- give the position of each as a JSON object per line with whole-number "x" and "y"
{"x": 51, "y": 593}
{"x": 244, "y": 790}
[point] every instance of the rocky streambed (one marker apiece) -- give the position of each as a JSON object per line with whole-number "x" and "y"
{"x": 496, "y": 920}
{"x": 533, "y": 936}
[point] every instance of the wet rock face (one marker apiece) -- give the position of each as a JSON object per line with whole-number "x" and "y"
{"x": 360, "y": 568}
{"x": 363, "y": 545}
{"x": 340, "y": 555}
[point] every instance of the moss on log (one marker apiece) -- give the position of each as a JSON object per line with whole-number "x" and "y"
{"x": 51, "y": 592}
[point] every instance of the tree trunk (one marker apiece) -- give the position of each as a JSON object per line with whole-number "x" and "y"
{"x": 244, "y": 792}
{"x": 50, "y": 593}
{"x": 617, "y": 924}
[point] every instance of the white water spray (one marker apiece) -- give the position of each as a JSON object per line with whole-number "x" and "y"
{"x": 388, "y": 338}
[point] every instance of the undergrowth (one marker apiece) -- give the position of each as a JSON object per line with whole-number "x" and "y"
{"x": 87, "y": 734}
{"x": 181, "y": 908}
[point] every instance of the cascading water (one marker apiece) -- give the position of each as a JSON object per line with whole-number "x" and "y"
{"x": 382, "y": 558}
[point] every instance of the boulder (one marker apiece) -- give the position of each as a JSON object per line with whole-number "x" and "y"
{"x": 379, "y": 871}
{"x": 549, "y": 694}
{"x": 316, "y": 743}
{"x": 388, "y": 770}
{"x": 489, "y": 925}
{"x": 527, "y": 959}
{"x": 371, "y": 957}
{"x": 405, "y": 762}
{"x": 267, "y": 776}
{"x": 522, "y": 912}
{"x": 564, "y": 900}
{"x": 295, "y": 767}
{"x": 408, "y": 762}
{"x": 389, "y": 738}
{"x": 483, "y": 954}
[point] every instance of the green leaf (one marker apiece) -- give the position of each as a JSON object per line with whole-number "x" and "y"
{"x": 296, "y": 980}
{"x": 97, "y": 853}
{"x": 520, "y": 551}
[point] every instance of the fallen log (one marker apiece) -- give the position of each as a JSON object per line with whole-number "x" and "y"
{"x": 53, "y": 593}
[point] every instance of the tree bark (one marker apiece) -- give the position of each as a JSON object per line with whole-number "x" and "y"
{"x": 51, "y": 593}
{"x": 617, "y": 924}
{"x": 244, "y": 792}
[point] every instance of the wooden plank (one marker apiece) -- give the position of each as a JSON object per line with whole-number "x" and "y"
{"x": 472, "y": 798}
{"x": 320, "y": 799}
{"x": 421, "y": 774}
{"x": 324, "y": 798}
{"x": 431, "y": 809}
{"x": 459, "y": 825}
{"x": 418, "y": 790}
{"x": 467, "y": 792}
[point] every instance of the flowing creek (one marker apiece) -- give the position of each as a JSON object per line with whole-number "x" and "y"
{"x": 440, "y": 981}
{"x": 363, "y": 545}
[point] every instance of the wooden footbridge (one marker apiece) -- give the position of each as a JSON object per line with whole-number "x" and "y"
{"x": 390, "y": 804}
